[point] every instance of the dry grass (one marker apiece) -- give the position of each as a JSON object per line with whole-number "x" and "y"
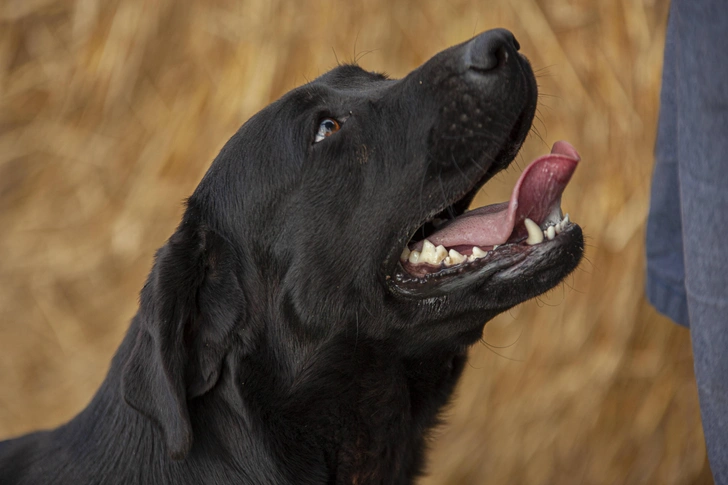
{"x": 110, "y": 112}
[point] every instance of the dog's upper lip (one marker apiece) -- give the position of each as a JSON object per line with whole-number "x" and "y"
{"x": 536, "y": 195}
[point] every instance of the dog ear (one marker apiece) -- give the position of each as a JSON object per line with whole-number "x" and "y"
{"x": 188, "y": 310}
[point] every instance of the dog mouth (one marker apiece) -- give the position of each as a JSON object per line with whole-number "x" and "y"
{"x": 495, "y": 237}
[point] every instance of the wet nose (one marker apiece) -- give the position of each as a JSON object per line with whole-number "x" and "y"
{"x": 491, "y": 50}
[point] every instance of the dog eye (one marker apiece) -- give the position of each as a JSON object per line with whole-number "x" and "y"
{"x": 328, "y": 127}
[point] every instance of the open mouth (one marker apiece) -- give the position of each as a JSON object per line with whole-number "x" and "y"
{"x": 504, "y": 233}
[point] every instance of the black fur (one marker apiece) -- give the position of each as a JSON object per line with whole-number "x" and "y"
{"x": 273, "y": 344}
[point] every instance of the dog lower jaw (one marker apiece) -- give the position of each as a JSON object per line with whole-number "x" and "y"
{"x": 484, "y": 273}
{"x": 434, "y": 259}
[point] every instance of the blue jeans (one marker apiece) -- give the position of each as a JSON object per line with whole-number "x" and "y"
{"x": 687, "y": 228}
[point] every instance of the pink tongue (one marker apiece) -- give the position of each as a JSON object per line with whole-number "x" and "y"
{"x": 536, "y": 194}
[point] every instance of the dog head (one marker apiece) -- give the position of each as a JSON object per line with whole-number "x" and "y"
{"x": 340, "y": 209}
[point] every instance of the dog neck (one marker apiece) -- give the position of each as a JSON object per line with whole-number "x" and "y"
{"x": 348, "y": 412}
{"x": 356, "y": 411}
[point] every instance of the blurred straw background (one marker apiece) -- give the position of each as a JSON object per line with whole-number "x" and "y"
{"x": 111, "y": 111}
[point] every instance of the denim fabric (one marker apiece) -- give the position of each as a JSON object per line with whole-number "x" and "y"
{"x": 687, "y": 229}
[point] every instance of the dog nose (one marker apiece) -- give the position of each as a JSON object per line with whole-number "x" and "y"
{"x": 491, "y": 50}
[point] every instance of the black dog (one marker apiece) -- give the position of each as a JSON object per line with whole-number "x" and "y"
{"x": 313, "y": 311}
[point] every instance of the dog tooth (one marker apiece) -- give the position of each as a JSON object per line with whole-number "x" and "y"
{"x": 440, "y": 254}
{"x": 558, "y": 228}
{"x": 478, "y": 253}
{"x": 555, "y": 215}
{"x": 414, "y": 257}
{"x": 405, "y": 254}
{"x": 455, "y": 257}
{"x": 535, "y": 235}
{"x": 566, "y": 220}
{"x": 550, "y": 233}
{"x": 496, "y": 247}
{"x": 427, "y": 255}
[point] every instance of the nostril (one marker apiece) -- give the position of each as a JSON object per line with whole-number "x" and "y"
{"x": 491, "y": 50}
{"x": 502, "y": 56}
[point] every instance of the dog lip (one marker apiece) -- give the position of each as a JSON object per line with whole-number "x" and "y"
{"x": 508, "y": 259}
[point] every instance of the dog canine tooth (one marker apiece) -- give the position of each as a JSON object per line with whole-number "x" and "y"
{"x": 535, "y": 236}
{"x": 550, "y": 233}
{"x": 414, "y": 257}
{"x": 405, "y": 254}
